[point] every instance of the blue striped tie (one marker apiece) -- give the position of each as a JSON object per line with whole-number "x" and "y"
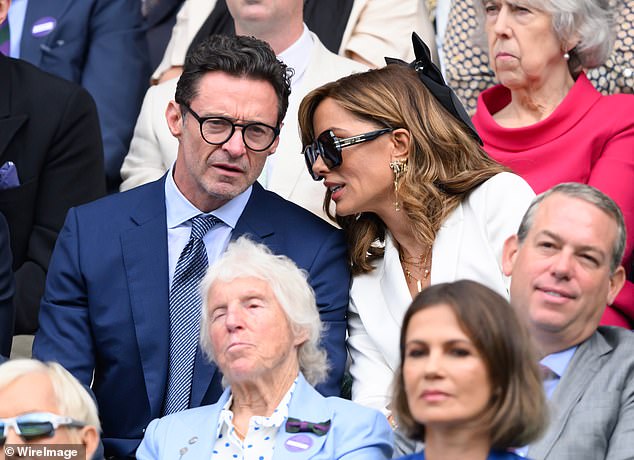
{"x": 185, "y": 308}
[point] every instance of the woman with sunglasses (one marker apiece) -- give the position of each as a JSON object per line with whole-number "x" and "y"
{"x": 42, "y": 403}
{"x": 420, "y": 201}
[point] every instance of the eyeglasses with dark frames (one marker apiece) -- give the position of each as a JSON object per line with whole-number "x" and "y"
{"x": 328, "y": 146}
{"x": 35, "y": 425}
{"x": 218, "y": 130}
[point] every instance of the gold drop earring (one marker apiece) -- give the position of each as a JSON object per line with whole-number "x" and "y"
{"x": 399, "y": 168}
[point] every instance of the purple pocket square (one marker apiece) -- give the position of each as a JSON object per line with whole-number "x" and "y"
{"x": 9, "y": 176}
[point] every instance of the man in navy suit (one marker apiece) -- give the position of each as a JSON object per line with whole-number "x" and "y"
{"x": 98, "y": 44}
{"x": 105, "y": 314}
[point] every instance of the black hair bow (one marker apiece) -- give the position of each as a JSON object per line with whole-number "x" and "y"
{"x": 430, "y": 75}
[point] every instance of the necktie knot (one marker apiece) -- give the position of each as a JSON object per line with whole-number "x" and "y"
{"x": 201, "y": 224}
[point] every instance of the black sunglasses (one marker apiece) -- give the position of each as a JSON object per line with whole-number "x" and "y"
{"x": 328, "y": 147}
{"x": 35, "y": 425}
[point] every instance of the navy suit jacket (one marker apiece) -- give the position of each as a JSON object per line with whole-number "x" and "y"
{"x": 99, "y": 44}
{"x": 106, "y": 304}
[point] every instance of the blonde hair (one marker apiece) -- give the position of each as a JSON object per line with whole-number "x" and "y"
{"x": 445, "y": 162}
{"x": 72, "y": 399}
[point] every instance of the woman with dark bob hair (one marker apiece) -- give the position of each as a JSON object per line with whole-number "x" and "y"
{"x": 468, "y": 384}
{"x": 419, "y": 200}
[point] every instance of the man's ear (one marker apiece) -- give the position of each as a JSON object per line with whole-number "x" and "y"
{"x": 401, "y": 139}
{"x": 90, "y": 439}
{"x": 276, "y": 142}
{"x": 174, "y": 117}
{"x": 509, "y": 254}
{"x": 4, "y": 9}
{"x": 617, "y": 281}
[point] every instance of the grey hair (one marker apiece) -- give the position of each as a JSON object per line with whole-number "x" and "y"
{"x": 590, "y": 195}
{"x": 73, "y": 400}
{"x": 246, "y": 258}
{"x": 590, "y": 21}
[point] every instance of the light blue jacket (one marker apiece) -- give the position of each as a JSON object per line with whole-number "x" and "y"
{"x": 356, "y": 432}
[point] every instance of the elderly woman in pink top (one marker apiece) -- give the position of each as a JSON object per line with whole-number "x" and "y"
{"x": 546, "y": 121}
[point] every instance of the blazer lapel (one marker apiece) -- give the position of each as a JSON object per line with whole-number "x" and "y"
{"x": 447, "y": 246}
{"x": 31, "y": 47}
{"x": 144, "y": 249}
{"x": 398, "y": 299}
{"x": 254, "y": 220}
{"x": 306, "y": 404}
{"x": 585, "y": 363}
{"x": 200, "y": 438}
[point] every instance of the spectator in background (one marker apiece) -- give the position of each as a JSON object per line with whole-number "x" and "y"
{"x": 121, "y": 307}
{"x": 153, "y": 148}
{"x": 363, "y": 30}
{"x": 7, "y": 310}
{"x": 468, "y": 384}
{"x": 261, "y": 325}
{"x": 420, "y": 201}
{"x": 159, "y": 17}
{"x": 42, "y": 403}
{"x": 51, "y": 158}
{"x": 545, "y": 120}
{"x": 465, "y": 62}
{"x": 565, "y": 267}
{"x": 98, "y": 44}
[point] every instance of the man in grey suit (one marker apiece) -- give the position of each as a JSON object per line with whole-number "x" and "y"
{"x": 565, "y": 267}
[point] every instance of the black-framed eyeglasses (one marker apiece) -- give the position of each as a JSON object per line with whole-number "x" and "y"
{"x": 35, "y": 425}
{"x": 328, "y": 147}
{"x": 218, "y": 130}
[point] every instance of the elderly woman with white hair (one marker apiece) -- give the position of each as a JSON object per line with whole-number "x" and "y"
{"x": 42, "y": 403}
{"x": 545, "y": 120}
{"x": 261, "y": 326}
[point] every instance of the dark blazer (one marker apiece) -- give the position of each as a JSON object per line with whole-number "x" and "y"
{"x": 99, "y": 44}
{"x": 7, "y": 311}
{"x": 106, "y": 305}
{"x": 49, "y": 129}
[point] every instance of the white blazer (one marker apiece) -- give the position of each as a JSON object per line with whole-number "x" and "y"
{"x": 468, "y": 246}
{"x": 153, "y": 148}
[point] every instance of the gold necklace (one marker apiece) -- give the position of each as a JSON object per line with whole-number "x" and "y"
{"x": 422, "y": 264}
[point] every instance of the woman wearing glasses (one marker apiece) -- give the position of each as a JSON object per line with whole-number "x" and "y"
{"x": 42, "y": 403}
{"x": 420, "y": 201}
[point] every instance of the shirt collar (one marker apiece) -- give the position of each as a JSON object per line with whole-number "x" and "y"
{"x": 297, "y": 56}
{"x": 558, "y": 362}
{"x": 179, "y": 209}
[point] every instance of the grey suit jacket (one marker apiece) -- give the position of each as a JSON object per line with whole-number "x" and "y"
{"x": 593, "y": 404}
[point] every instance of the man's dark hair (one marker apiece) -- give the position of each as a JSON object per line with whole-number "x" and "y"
{"x": 238, "y": 56}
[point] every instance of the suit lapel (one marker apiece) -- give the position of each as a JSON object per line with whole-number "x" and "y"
{"x": 144, "y": 249}
{"x": 447, "y": 246}
{"x": 201, "y": 436}
{"x": 10, "y": 123}
{"x": 31, "y": 46}
{"x": 306, "y": 404}
{"x": 255, "y": 221}
{"x": 585, "y": 363}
